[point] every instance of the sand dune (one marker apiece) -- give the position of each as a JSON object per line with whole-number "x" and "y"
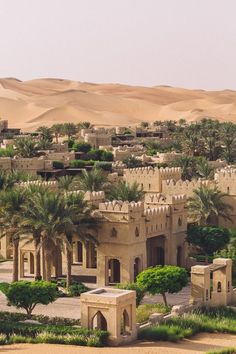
{"x": 30, "y": 104}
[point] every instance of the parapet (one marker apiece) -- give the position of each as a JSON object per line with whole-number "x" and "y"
{"x": 157, "y": 212}
{"x": 117, "y": 206}
{"x": 51, "y": 184}
{"x": 159, "y": 198}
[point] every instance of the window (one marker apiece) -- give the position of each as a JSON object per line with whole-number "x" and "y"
{"x": 219, "y": 287}
{"x": 180, "y": 222}
{"x": 136, "y": 231}
{"x": 113, "y": 232}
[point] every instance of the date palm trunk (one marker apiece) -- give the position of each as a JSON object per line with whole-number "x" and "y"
{"x": 15, "y": 274}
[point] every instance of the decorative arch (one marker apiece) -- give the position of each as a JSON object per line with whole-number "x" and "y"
{"x": 125, "y": 327}
{"x": 99, "y": 321}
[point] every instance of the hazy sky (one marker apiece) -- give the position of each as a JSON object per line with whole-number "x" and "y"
{"x": 186, "y": 43}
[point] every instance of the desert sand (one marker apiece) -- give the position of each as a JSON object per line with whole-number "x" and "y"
{"x": 29, "y": 104}
{"x": 199, "y": 344}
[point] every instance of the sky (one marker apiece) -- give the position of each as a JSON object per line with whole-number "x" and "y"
{"x": 184, "y": 43}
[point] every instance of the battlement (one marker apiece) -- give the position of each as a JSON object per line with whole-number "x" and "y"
{"x": 51, "y": 184}
{"x": 159, "y": 198}
{"x": 118, "y": 206}
{"x": 226, "y": 173}
{"x": 171, "y": 187}
{"x": 162, "y": 172}
{"x": 157, "y": 212}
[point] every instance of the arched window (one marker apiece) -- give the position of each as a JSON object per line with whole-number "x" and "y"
{"x": 113, "y": 232}
{"x": 219, "y": 287}
{"x": 125, "y": 325}
{"x": 136, "y": 231}
{"x": 180, "y": 222}
{"x": 228, "y": 286}
{"x": 99, "y": 322}
{"x": 206, "y": 294}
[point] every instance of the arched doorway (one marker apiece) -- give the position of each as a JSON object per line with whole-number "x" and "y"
{"x": 160, "y": 256}
{"x": 179, "y": 256}
{"x": 113, "y": 271}
{"x": 125, "y": 324}
{"x": 99, "y": 322}
{"x": 137, "y": 267}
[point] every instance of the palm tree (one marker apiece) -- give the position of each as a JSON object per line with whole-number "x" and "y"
{"x": 45, "y": 133}
{"x": 207, "y": 204}
{"x": 82, "y": 220}
{"x": 47, "y": 212}
{"x": 204, "y": 169}
{"x": 57, "y": 129}
{"x": 94, "y": 180}
{"x": 11, "y": 203}
{"x": 126, "y": 192}
{"x": 66, "y": 183}
{"x": 85, "y": 125}
{"x": 187, "y": 164}
{"x": 228, "y": 136}
{"x": 69, "y": 129}
{"x": 26, "y": 147}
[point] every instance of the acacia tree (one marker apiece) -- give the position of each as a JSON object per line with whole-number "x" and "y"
{"x": 208, "y": 239}
{"x": 162, "y": 280}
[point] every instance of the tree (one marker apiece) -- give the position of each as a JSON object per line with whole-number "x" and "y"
{"x": 69, "y": 129}
{"x": 126, "y": 192}
{"x": 81, "y": 146}
{"x": 57, "y": 129}
{"x": 228, "y": 136}
{"x": 144, "y": 125}
{"x": 26, "y": 295}
{"x": 11, "y": 203}
{"x": 188, "y": 166}
{"x": 94, "y": 180}
{"x": 132, "y": 162}
{"x": 204, "y": 169}
{"x": 162, "y": 280}
{"x": 66, "y": 183}
{"x": 26, "y": 147}
{"x": 140, "y": 292}
{"x": 45, "y": 133}
{"x": 85, "y": 125}
{"x": 208, "y": 239}
{"x": 48, "y": 213}
{"x": 207, "y": 205}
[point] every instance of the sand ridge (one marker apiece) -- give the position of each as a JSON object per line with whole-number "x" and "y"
{"x": 29, "y": 104}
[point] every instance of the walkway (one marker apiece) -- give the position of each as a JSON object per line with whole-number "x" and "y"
{"x": 70, "y": 307}
{"x": 199, "y": 344}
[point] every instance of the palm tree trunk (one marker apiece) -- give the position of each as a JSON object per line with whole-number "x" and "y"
{"x": 37, "y": 261}
{"x": 48, "y": 264}
{"x": 15, "y": 274}
{"x": 68, "y": 266}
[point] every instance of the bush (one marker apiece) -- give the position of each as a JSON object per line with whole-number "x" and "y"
{"x": 144, "y": 311}
{"x": 81, "y": 146}
{"x": 16, "y": 317}
{"x": 3, "y": 339}
{"x": 223, "y": 351}
{"x": 53, "y": 334}
{"x": 163, "y": 332}
{"x": 27, "y": 295}
{"x": 140, "y": 292}
{"x": 77, "y": 289}
{"x": 78, "y": 163}
{"x": 57, "y": 164}
{"x": 106, "y": 166}
{"x": 107, "y": 156}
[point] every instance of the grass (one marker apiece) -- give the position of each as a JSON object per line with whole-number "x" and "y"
{"x": 223, "y": 351}
{"x": 56, "y": 331}
{"x": 144, "y": 311}
{"x": 221, "y": 320}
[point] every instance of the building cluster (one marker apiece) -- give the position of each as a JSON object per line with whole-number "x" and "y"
{"x": 131, "y": 236}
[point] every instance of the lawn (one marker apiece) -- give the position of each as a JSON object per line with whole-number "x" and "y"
{"x": 144, "y": 311}
{"x": 221, "y": 320}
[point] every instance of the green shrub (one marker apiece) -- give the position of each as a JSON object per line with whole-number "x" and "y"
{"x": 57, "y": 164}
{"x": 140, "y": 292}
{"x": 26, "y": 295}
{"x": 104, "y": 165}
{"x": 3, "y": 339}
{"x": 223, "y": 351}
{"x": 144, "y": 311}
{"x": 78, "y": 163}
{"x": 163, "y": 332}
{"x": 81, "y": 146}
{"x": 53, "y": 334}
{"x": 107, "y": 156}
{"x": 77, "y": 289}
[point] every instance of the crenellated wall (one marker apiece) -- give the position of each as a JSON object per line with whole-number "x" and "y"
{"x": 151, "y": 178}
{"x": 172, "y": 187}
